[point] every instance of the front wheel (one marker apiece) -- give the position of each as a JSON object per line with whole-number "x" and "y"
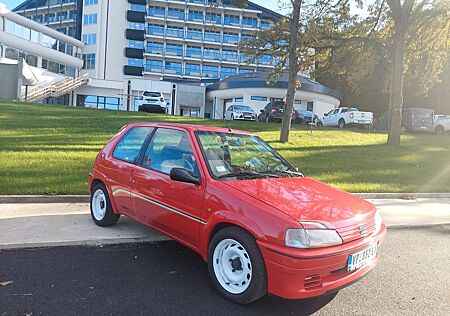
{"x": 236, "y": 266}
{"x": 341, "y": 123}
{"x": 101, "y": 208}
{"x": 440, "y": 130}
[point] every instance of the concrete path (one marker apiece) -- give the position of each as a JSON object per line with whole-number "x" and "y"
{"x": 36, "y": 225}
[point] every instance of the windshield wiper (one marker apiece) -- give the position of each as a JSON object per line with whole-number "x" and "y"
{"x": 276, "y": 173}
{"x": 246, "y": 173}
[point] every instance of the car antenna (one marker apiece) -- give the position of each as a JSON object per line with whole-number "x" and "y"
{"x": 223, "y": 118}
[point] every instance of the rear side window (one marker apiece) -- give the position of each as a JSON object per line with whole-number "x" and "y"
{"x": 128, "y": 148}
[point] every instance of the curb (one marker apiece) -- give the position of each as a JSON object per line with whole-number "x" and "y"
{"x": 43, "y": 199}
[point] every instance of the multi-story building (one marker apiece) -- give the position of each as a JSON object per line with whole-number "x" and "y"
{"x": 133, "y": 46}
{"x": 60, "y": 15}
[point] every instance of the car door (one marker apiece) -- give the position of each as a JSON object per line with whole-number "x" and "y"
{"x": 121, "y": 164}
{"x": 326, "y": 120}
{"x": 171, "y": 206}
{"x": 334, "y": 118}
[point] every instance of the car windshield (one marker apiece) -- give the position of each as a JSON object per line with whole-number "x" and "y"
{"x": 423, "y": 114}
{"x": 240, "y": 156}
{"x": 242, "y": 108}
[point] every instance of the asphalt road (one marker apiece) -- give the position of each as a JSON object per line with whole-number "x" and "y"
{"x": 412, "y": 278}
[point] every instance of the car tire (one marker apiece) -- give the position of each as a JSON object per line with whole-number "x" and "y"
{"x": 440, "y": 130}
{"x": 268, "y": 119}
{"x": 341, "y": 123}
{"x": 232, "y": 117}
{"x": 248, "y": 268}
{"x": 101, "y": 208}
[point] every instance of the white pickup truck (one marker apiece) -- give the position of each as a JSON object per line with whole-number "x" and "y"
{"x": 347, "y": 116}
{"x": 441, "y": 124}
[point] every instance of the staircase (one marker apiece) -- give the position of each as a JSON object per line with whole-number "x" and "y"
{"x": 55, "y": 90}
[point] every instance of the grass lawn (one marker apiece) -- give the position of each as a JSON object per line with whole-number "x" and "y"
{"x": 51, "y": 149}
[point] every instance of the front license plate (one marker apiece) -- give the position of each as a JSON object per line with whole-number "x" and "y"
{"x": 362, "y": 258}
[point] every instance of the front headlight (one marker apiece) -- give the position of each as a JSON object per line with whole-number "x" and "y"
{"x": 378, "y": 221}
{"x": 312, "y": 238}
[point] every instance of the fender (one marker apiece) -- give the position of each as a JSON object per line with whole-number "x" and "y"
{"x": 226, "y": 217}
{"x": 97, "y": 175}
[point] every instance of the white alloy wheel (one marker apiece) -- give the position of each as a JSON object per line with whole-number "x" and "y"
{"x": 232, "y": 266}
{"x": 99, "y": 205}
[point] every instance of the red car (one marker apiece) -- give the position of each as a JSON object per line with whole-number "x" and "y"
{"x": 261, "y": 226}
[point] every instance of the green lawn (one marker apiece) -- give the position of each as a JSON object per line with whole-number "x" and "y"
{"x": 51, "y": 149}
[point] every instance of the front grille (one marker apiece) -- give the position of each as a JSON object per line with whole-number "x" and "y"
{"x": 312, "y": 282}
{"x": 353, "y": 232}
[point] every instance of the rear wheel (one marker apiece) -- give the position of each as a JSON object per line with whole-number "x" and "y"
{"x": 341, "y": 123}
{"x": 268, "y": 119}
{"x": 101, "y": 209}
{"x": 236, "y": 266}
{"x": 440, "y": 130}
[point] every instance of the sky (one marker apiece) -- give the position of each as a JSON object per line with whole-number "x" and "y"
{"x": 270, "y": 4}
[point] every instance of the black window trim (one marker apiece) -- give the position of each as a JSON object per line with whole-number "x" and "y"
{"x": 142, "y": 146}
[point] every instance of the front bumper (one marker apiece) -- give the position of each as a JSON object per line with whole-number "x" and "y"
{"x": 302, "y": 273}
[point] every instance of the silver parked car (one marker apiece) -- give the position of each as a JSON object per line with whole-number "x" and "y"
{"x": 240, "y": 112}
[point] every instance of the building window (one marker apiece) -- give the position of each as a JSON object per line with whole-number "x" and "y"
{"x": 154, "y": 65}
{"x": 138, "y": 7}
{"x": 227, "y": 71}
{"x": 173, "y": 68}
{"x": 266, "y": 60}
{"x": 90, "y": 39}
{"x": 192, "y": 70}
{"x": 195, "y": 34}
{"x": 249, "y": 22}
{"x": 173, "y": 31}
{"x": 49, "y": 42}
{"x": 157, "y": 11}
{"x": 258, "y": 98}
{"x": 138, "y": 26}
{"x": 232, "y": 19}
{"x": 155, "y": 48}
{"x": 210, "y": 71}
{"x": 11, "y": 53}
{"x": 213, "y": 18}
{"x": 211, "y": 54}
{"x": 297, "y": 101}
{"x": 212, "y": 36}
{"x": 135, "y": 44}
{"x": 98, "y": 102}
{"x": 265, "y": 25}
{"x": 230, "y": 38}
{"x": 247, "y": 37}
{"x": 238, "y": 99}
{"x": 88, "y": 61}
{"x": 155, "y": 29}
{"x": 310, "y": 106}
{"x": 177, "y": 14}
{"x": 196, "y": 16}
{"x": 90, "y": 19}
{"x": 174, "y": 50}
{"x": 194, "y": 52}
{"x": 135, "y": 62}
{"x": 90, "y": 2}
{"x": 245, "y": 70}
{"x": 230, "y": 55}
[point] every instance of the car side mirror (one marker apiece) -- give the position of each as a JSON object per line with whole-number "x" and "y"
{"x": 182, "y": 175}
{"x": 261, "y": 111}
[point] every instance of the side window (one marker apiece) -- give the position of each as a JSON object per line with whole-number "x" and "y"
{"x": 169, "y": 149}
{"x": 128, "y": 148}
{"x": 336, "y": 111}
{"x": 230, "y": 109}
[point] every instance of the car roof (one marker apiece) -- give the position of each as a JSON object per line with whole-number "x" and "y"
{"x": 189, "y": 127}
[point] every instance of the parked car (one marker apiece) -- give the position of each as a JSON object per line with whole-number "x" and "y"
{"x": 307, "y": 117}
{"x": 261, "y": 226}
{"x": 417, "y": 120}
{"x": 441, "y": 124}
{"x": 240, "y": 112}
{"x": 344, "y": 116}
{"x": 273, "y": 111}
{"x": 152, "y": 102}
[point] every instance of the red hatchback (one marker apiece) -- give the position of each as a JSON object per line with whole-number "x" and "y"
{"x": 260, "y": 224}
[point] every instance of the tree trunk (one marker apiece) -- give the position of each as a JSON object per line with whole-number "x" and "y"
{"x": 396, "y": 97}
{"x": 293, "y": 71}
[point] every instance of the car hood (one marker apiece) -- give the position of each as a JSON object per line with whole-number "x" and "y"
{"x": 306, "y": 199}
